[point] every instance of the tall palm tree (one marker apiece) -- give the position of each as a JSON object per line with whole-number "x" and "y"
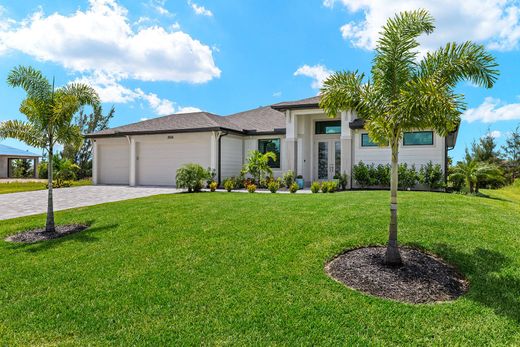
{"x": 405, "y": 93}
{"x": 473, "y": 172}
{"x": 49, "y": 113}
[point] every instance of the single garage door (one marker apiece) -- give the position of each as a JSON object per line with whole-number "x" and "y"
{"x": 113, "y": 162}
{"x": 157, "y": 161}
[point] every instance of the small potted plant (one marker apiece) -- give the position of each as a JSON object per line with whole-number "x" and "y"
{"x": 300, "y": 181}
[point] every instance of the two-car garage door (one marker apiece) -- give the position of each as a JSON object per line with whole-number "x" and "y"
{"x": 157, "y": 158}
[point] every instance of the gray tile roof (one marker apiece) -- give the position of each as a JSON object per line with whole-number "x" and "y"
{"x": 261, "y": 119}
{"x": 303, "y": 103}
{"x": 7, "y": 150}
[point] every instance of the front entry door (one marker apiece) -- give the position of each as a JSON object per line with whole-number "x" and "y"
{"x": 328, "y": 159}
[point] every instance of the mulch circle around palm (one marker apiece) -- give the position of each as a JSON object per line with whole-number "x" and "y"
{"x": 423, "y": 278}
{"x": 37, "y": 235}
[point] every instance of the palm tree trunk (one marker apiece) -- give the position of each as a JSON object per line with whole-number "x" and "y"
{"x": 49, "y": 225}
{"x": 392, "y": 256}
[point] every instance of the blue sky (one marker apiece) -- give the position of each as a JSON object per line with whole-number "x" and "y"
{"x": 158, "y": 57}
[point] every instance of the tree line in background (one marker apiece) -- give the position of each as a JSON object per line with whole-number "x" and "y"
{"x": 487, "y": 166}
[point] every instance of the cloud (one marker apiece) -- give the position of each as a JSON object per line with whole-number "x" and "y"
{"x": 102, "y": 40}
{"x": 110, "y": 90}
{"x": 495, "y": 23}
{"x": 492, "y": 110}
{"x": 494, "y": 134}
{"x": 200, "y": 10}
{"x": 277, "y": 94}
{"x": 317, "y": 72}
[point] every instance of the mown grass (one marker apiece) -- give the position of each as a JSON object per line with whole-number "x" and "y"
{"x": 16, "y": 187}
{"x": 242, "y": 269}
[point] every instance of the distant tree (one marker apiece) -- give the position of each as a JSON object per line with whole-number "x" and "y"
{"x": 475, "y": 172}
{"x": 511, "y": 152}
{"x": 22, "y": 168}
{"x": 406, "y": 92}
{"x": 87, "y": 123}
{"x": 49, "y": 113}
{"x": 485, "y": 150}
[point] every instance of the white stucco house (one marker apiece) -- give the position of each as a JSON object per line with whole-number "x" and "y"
{"x": 8, "y": 154}
{"x": 304, "y": 138}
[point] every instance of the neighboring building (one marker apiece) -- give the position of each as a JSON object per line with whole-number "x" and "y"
{"x": 303, "y": 137}
{"x": 8, "y": 154}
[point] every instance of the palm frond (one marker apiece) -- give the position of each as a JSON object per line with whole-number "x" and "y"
{"x": 32, "y": 81}
{"x": 85, "y": 94}
{"x": 342, "y": 91}
{"x": 24, "y": 132}
{"x": 69, "y": 134}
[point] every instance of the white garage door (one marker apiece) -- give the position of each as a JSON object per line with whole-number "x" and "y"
{"x": 113, "y": 161}
{"x": 157, "y": 162}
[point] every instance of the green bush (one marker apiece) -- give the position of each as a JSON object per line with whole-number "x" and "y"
{"x": 431, "y": 175}
{"x": 407, "y": 176}
{"x": 333, "y": 186}
{"x": 273, "y": 186}
{"x": 364, "y": 174}
{"x": 229, "y": 184}
{"x": 213, "y": 186}
{"x": 325, "y": 187}
{"x": 293, "y": 188}
{"x": 343, "y": 181}
{"x": 315, "y": 187}
{"x": 251, "y": 188}
{"x": 382, "y": 175}
{"x": 192, "y": 177}
{"x": 288, "y": 178}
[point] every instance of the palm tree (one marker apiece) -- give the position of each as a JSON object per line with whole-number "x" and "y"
{"x": 406, "y": 93}
{"x": 258, "y": 164}
{"x": 49, "y": 113}
{"x": 473, "y": 172}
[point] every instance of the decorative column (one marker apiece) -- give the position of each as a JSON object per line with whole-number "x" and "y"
{"x": 346, "y": 144}
{"x": 94, "y": 162}
{"x": 133, "y": 158}
{"x": 291, "y": 141}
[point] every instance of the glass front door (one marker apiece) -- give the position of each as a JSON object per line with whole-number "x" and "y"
{"x": 328, "y": 159}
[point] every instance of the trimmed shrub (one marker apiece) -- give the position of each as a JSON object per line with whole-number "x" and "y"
{"x": 382, "y": 175}
{"x": 343, "y": 181}
{"x": 325, "y": 187}
{"x": 192, "y": 177}
{"x": 229, "y": 184}
{"x": 213, "y": 186}
{"x": 333, "y": 186}
{"x": 315, "y": 187}
{"x": 364, "y": 174}
{"x": 273, "y": 186}
{"x": 294, "y": 187}
{"x": 288, "y": 178}
{"x": 407, "y": 176}
{"x": 251, "y": 188}
{"x": 431, "y": 175}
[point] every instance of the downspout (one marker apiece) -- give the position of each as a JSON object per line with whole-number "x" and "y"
{"x": 219, "y": 164}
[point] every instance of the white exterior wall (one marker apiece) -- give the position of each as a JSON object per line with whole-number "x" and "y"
{"x": 232, "y": 156}
{"x": 417, "y": 155}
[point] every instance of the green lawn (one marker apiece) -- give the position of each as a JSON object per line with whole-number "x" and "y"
{"x": 237, "y": 269}
{"x": 16, "y": 187}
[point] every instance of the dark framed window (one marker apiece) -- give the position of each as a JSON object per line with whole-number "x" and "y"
{"x": 328, "y": 127}
{"x": 271, "y": 145}
{"x": 366, "y": 142}
{"x": 418, "y": 138}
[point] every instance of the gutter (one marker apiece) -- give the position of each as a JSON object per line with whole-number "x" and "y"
{"x": 219, "y": 164}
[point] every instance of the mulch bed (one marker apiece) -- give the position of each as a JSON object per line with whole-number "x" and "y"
{"x": 423, "y": 278}
{"x": 37, "y": 235}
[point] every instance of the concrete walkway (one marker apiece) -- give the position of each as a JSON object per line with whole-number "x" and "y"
{"x": 35, "y": 202}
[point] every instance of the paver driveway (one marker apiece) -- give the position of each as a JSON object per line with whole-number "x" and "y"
{"x": 27, "y": 203}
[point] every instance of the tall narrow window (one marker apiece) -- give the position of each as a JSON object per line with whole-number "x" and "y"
{"x": 418, "y": 138}
{"x": 271, "y": 145}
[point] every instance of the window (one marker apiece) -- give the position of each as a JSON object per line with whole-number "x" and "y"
{"x": 366, "y": 142}
{"x": 328, "y": 127}
{"x": 271, "y": 145}
{"x": 418, "y": 138}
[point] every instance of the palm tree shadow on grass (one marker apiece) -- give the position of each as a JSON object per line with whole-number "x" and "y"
{"x": 488, "y": 286}
{"x": 84, "y": 236}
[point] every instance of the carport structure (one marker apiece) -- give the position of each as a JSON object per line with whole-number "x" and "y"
{"x": 8, "y": 154}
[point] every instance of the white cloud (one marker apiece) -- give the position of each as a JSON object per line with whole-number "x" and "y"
{"x": 317, "y": 72}
{"x": 492, "y": 110}
{"x": 101, "y": 39}
{"x": 159, "y": 6}
{"x": 277, "y": 94}
{"x": 110, "y": 90}
{"x": 176, "y": 26}
{"x": 495, "y": 23}
{"x": 494, "y": 134}
{"x": 200, "y": 10}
